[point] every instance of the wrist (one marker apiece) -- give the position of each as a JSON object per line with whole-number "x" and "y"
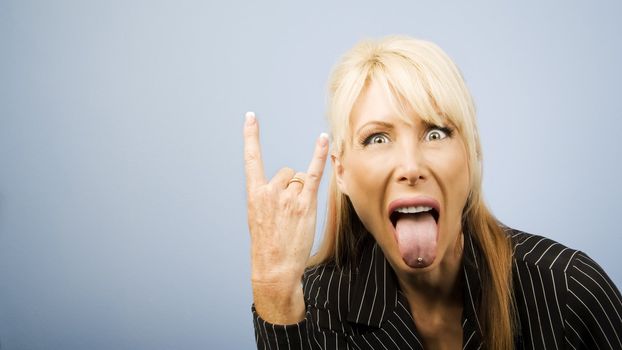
{"x": 279, "y": 303}
{"x": 277, "y": 277}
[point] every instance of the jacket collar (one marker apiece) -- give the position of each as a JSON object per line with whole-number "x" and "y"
{"x": 374, "y": 295}
{"x": 375, "y": 288}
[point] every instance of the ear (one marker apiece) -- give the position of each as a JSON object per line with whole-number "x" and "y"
{"x": 338, "y": 170}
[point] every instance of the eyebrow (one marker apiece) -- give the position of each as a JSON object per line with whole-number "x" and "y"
{"x": 375, "y": 122}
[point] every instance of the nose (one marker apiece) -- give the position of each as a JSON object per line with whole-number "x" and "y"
{"x": 410, "y": 166}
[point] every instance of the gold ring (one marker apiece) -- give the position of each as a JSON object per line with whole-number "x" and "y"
{"x": 296, "y": 179}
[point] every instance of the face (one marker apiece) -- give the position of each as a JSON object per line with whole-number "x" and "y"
{"x": 389, "y": 164}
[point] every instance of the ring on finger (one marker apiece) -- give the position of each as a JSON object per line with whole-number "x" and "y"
{"x": 296, "y": 179}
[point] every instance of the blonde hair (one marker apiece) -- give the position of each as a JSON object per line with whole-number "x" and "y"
{"x": 422, "y": 79}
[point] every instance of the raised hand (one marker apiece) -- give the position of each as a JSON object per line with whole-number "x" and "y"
{"x": 282, "y": 216}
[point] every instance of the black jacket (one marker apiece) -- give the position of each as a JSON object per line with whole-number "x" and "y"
{"x": 564, "y": 300}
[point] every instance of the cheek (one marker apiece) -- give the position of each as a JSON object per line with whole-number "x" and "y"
{"x": 365, "y": 186}
{"x": 458, "y": 178}
{"x": 363, "y": 176}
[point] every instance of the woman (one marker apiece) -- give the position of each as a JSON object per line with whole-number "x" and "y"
{"x": 411, "y": 257}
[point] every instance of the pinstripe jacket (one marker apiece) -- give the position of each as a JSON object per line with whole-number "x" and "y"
{"x": 564, "y": 300}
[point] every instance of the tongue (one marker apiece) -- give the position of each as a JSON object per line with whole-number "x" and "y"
{"x": 416, "y": 238}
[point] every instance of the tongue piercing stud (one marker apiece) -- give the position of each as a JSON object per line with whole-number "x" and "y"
{"x": 419, "y": 260}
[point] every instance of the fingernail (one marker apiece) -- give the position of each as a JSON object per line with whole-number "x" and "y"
{"x": 250, "y": 118}
{"x": 323, "y": 139}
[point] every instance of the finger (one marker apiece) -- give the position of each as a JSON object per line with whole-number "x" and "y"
{"x": 316, "y": 167}
{"x": 253, "y": 164}
{"x": 282, "y": 177}
{"x": 295, "y": 186}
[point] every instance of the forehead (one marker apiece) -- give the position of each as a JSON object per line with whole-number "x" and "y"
{"x": 373, "y": 103}
{"x": 376, "y": 103}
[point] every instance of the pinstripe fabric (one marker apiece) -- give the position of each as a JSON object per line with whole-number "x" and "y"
{"x": 564, "y": 300}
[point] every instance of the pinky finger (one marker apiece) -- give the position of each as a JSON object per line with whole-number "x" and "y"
{"x": 316, "y": 167}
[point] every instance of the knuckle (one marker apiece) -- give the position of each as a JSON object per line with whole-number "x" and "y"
{"x": 269, "y": 193}
{"x": 286, "y": 199}
{"x": 301, "y": 208}
{"x": 313, "y": 176}
{"x": 250, "y": 157}
{"x": 260, "y": 195}
{"x": 249, "y": 133}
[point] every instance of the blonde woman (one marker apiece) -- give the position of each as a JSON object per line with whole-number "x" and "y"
{"x": 411, "y": 257}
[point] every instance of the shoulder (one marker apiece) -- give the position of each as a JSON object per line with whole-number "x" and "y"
{"x": 575, "y": 266}
{"x": 579, "y": 272}
{"x": 330, "y": 286}
{"x": 542, "y": 252}
{"x": 549, "y": 273}
{"x": 593, "y": 304}
{"x": 326, "y": 290}
{"x": 325, "y": 284}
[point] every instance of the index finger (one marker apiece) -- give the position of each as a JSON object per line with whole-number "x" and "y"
{"x": 253, "y": 165}
{"x": 316, "y": 167}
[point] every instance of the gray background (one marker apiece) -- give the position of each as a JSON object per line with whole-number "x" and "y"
{"x": 122, "y": 204}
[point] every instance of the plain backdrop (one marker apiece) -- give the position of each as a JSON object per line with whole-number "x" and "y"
{"x": 122, "y": 203}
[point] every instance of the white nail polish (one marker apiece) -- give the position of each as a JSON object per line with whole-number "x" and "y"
{"x": 323, "y": 142}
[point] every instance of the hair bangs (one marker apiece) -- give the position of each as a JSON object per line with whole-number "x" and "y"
{"x": 408, "y": 98}
{"x": 411, "y": 93}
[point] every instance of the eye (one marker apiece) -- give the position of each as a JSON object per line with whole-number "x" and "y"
{"x": 375, "y": 139}
{"x": 437, "y": 133}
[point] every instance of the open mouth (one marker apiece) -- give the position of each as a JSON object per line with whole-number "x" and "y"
{"x": 401, "y": 212}
{"x": 415, "y": 223}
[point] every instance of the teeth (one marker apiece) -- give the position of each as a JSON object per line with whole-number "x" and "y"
{"x": 411, "y": 210}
